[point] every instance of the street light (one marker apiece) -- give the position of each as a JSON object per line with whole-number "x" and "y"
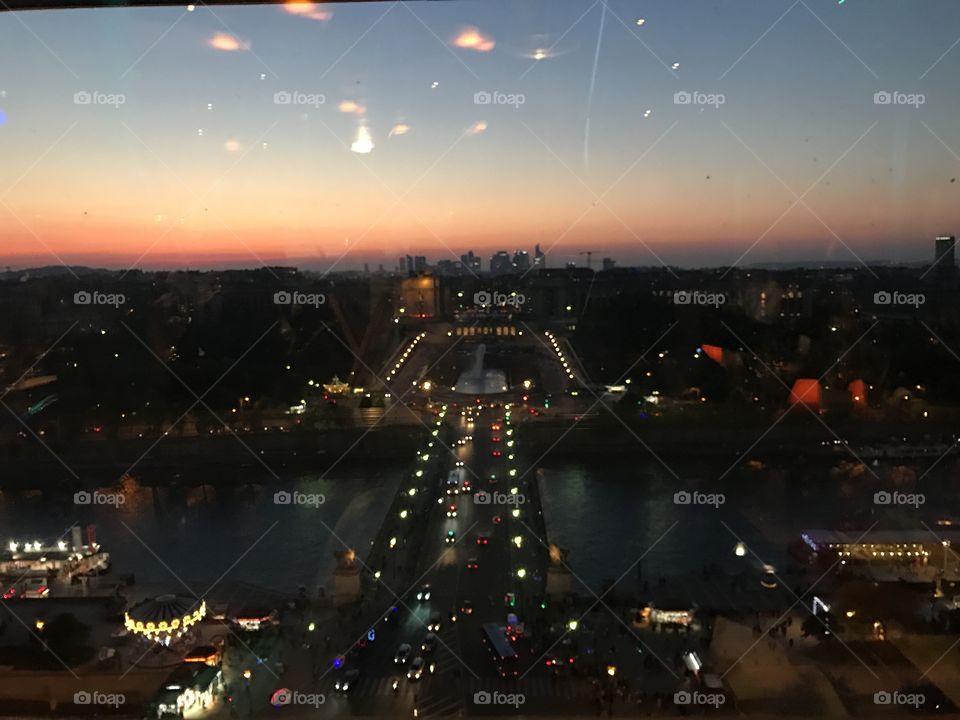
{"x": 740, "y": 550}
{"x": 572, "y": 625}
{"x": 521, "y": 573}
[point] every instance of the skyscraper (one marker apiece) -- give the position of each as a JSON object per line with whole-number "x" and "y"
{"x": 539, "y": 259}
{"x": 521, "y": 261}
{"x": 471, "y": 263}
{"x": 944, "y": 253}
{"x": 500, "y": 264}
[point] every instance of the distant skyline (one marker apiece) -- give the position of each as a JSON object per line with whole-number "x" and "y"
{"x": 162, "y": 138}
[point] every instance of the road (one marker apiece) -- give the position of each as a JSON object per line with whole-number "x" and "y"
{"x": 465, "y": 572}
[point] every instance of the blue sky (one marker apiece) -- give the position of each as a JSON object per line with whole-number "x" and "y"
{"x": 652, "y": 181}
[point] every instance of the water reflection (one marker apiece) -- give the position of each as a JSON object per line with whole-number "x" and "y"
{"x": 201, "y": 532}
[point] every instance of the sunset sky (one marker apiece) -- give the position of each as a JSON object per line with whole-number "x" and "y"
{"x": 201, "y": 167}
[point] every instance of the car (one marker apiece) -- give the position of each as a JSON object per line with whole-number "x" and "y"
{"x": 466, "y": 607}
{"x": 453, "y": 489}
{"x": 450, "y": 538}
{"x": 416, "y": 668}
{"x": 424, "y": 592}
{"x": 495, "y": 438}
{"x": 348, "y": 680}
{"x": 403, "y": 654}
{"x": 452, "y": 511}
{"x": 467, "y": 486}
{"x": 495, "y": 426}
{"x": 483, "y": 539}
{"x": 496, "y": 453}
{"x": 433, "y": 624}
{"x": 429, "y": 643}
{"x": 472, "y": 564}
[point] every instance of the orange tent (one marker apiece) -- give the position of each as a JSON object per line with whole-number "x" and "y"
{"x": 806, "y": 391}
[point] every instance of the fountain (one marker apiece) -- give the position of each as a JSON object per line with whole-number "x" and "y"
{"x": 477, "y": 381}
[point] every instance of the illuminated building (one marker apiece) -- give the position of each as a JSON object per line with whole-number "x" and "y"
{"x": 191, "y": 687}
{"x": 420, "y": 296}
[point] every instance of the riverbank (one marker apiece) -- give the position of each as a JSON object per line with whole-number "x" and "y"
{"x": 221, "y": 459}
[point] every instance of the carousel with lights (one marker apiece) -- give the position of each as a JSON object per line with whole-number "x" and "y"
{"x": 165, "y": 618}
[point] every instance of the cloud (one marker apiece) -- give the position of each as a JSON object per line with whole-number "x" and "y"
{"x": 399, "y": 129}
{"x": 349, "y": 106}
{"x": 308, "y": 10}
{"x": 477, "y": 128}
{"x": 364, "y": 141}
{"x": 227, "y": 42}
{"x": 470, "y": 38}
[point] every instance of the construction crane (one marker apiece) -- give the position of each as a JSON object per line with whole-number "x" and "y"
{"x": 589, "y": 254}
